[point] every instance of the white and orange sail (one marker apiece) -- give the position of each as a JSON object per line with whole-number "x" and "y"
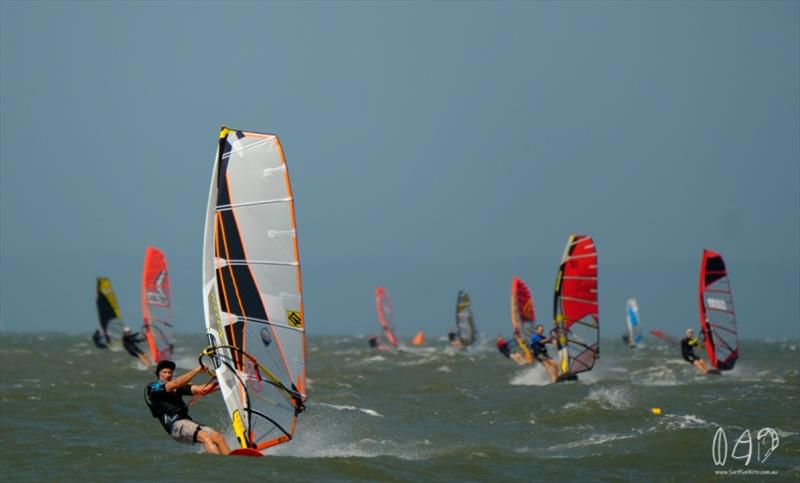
{"x": 252, "y": 290}
{"x": 157, "y": 306}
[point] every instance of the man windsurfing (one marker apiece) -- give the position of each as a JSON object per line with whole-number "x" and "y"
{"x": 504, "y": 347}
{"x": 455, "y": 342}
{"x": 101, "y": 339}
{"x": 130, "y": 341}
{"x": 375, "y": 343}
{"x": 164, "y": 397}
{"x": 537, "y": 346}
{"x": 688, "y": 344}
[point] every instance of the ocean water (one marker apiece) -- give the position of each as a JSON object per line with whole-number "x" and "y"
{"x": 71, "y": 412}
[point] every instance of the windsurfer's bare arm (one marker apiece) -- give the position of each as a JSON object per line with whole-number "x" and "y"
{"x": 206, "y": 388}
{"x": 184, "y": 379}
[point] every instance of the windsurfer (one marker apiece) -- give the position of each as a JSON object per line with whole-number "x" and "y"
{"x": 504, "y": 346}
{"x": 538, "y": 341}
{"x": 626, "y": 338}
{"x": 375, "y": 343}
{"x": 129, "y": 341}
{"x": 688, "y": 344}
{"x": 164, "y": 397}
{"x": 101, "y": 339}
{"x": 455, "y": 342}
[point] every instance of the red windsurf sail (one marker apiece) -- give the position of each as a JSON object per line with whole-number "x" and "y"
{"x": 383, "y": 303}
{"x": 522, "y": 315}
{"x": 157, "y": 305}
{"x": 717, "y": 314}
{"x": 577, "y": 322}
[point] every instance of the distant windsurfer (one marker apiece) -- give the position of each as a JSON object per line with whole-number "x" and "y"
{"x": 130, "y": 341}
{"x": 688, "y": 344}
{"x": 626, "y": 338}
{"x": 538, "y": 341}
{"x": 504, "y": 347}
{"x": 455, "y": 342}
{"x": 101, "y": 339}
{"x": 164, "y": 397}
{"x": 375, "y": 343}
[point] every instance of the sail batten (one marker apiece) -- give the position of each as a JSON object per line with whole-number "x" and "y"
{"x": 252, "y": 289}
{"x": 258, "y": 262}
{"x": 253, "y": 203}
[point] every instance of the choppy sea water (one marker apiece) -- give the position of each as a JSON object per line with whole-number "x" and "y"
{"x": 69, "y": 411}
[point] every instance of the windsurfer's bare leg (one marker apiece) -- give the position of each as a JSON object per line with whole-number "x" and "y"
{"x": 213, "y": 442}
{"x": 700, "y": 364}
{"x": 205, "y": 439}
{"x": 219, "y": 440}
{"x": 518, "y": 359}
{"x": 551, "y": 369}
{"x": 144, "y": 359}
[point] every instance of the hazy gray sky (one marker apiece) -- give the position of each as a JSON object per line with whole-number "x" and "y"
{"x": 432, "y": 147}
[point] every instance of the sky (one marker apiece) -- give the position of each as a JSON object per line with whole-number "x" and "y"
{"x": 433, "y": 147}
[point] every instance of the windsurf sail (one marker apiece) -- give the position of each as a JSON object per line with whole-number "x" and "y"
{"x": 108, "y": 312}
{"x": 632, "y": 318}
{"x": 465, "y": 323}
{"x": 383, "y": 304}
{"x": 717, "y": 314}
{"x": 157, "y": 305}
{"x": 522, "y": 316}
{"x": 252, "y": 291}
{"x": 577, "y": 322}
{"x": 419, "y": 339}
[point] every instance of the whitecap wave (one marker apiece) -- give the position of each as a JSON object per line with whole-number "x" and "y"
{"x": 617, "y": 397}
{"x": 373, "y": 359}
{"x": 683, "y": 421}
{"x": 531, "y": 376}
{"x": 591, "y": 441}
{"x": 345, "y": 407}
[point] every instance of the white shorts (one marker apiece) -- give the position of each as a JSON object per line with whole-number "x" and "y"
{"x": 185, "y": 431}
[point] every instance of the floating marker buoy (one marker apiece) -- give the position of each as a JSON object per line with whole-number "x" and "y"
{"x": 656, "y": 411}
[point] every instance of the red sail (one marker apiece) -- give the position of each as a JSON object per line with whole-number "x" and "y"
{"x": 575, "y": 306}
{"x": 524, "y": 300}
{"x": 383, "y": 303}
{"x": 522, "y": 315}
{"x": 157, "y": 305}
{"x": 717, "y": 313}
